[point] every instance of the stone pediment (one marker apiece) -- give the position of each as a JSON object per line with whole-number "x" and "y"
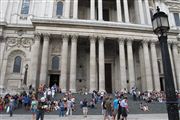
{"x": 174, "y": 6}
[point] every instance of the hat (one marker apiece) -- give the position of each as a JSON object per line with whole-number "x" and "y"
{"x": 43, "y": 99}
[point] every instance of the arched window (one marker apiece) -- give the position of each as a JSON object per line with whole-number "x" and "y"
{"x": 59, "y": 9}
{"x": 25, "y": 7}
{"x": 55, "y": 63}
{"x": 17, "y": 64}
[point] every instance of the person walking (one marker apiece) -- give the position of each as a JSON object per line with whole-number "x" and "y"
{"x": 34, "y": 105}
{"x": 125, "y": 110}
{"x": 11, "y": 107}
{"x": 41, "y": 109}
{"x": 85, "y": 107}
{"x": 115, "y": 107}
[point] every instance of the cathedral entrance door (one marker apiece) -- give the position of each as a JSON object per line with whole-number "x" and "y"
{"x": 54, "y": 79}
{"x": 108, "y": 78}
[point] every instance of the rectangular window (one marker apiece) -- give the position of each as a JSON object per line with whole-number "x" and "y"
{"x": 177, "y": 19}
{"x": 25, "y": 7}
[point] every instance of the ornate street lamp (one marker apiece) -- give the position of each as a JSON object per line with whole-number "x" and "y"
{"x": 161, "y": 27}
{"x": 25, "y": 74}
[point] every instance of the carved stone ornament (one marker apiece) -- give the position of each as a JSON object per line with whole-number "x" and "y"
{"x": 20, "y": 42}
{"x": 173, "y": 5}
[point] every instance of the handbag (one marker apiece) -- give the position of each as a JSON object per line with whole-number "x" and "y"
{"x": 7, "y": 110}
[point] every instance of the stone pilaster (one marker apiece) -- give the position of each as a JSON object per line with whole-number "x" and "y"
{"x": 126, "y": 10}
{"x": 122, "y": 63}
{"x": 100, "y": 10}
{"x": 3, "y": 62}
{"x": 172, "y": 64}
{"x": 141, "y": 12}
{"x": 93, "y": 81}
{"x": 155, "y": 66}
{"x": 67, "y": 9}
{"x": 34, "y": 59}
{"x": 101, "y": 64}
{"x": 148, "y": 73}
{"x": 64, "y": 54}
{"x": 73, "y": 63}
{"x": 148, "y": 15}
{"x": 75, "y": 9}
{"x": 130, "y": 64}
{"x": 92, "y": 9}
{"x": 177, "y": 63}
{"x": 44, "y": 60}
{"x": 119, "y": 12}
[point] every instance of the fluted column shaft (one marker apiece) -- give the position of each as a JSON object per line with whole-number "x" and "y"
{"x": 75, "y": 9}
{"x": 130, "y": 64}
{"x": 177, "y": 64}
{"x": 3, "y": 62}
{"x": 119, "y": 12}
{"x": 148, "y": 15}
{"x": 73, "y": 63}
{"x": 34, "y": 57}
{"x": 44, "y": 60}
{"x": 92, "y": 9}
{"x": 100, "y": 10}
{"x": 64, "y": 54}
{"x": 67, "y": 9}
{"x": 93, "y": 82}
{"x": 123, "y": 79}
{"x": 148, "y": 73}
{"x": 101, "y": 65}
{"x": 141, "y": 12}
{"x": 155, "y": 66}
{"x": 172, "y": 65}
{"x": 126, "y": 11}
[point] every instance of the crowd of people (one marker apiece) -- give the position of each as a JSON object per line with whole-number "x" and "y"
{"x": 45, "y": 100}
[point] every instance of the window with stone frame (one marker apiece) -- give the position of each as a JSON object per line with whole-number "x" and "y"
{"x": 55, "y": 63}
{"x": 59, "y": 8}
{"x": 25, "y": 7}
{"x": 17, "y": 64}
{"x": 177, "y": 19}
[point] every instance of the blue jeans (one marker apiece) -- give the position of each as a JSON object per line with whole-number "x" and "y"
{"x": 61, "y": 113}
{"x": 39, "y": 114}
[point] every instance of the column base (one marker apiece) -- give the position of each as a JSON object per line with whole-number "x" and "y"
{"x": 73, "y": 90}
{"x": 63, "y": 90}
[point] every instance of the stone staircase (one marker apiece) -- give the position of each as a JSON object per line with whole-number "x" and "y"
{"x": 154, "y": 107}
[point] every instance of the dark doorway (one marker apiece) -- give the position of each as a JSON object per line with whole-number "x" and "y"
{"x": 108, "y": 78}
{"x": 54, "y": 79}
{"x": 106, "y": 14}
{"x": 162, "y": 84}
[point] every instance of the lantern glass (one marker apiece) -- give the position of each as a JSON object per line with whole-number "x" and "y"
{"x": 164, "y": 22}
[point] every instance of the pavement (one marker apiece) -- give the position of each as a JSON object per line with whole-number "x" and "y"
{"x": 89, "y": 117}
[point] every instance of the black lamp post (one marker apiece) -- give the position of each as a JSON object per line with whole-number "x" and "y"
{"x": 25, "y": 74}
{"x": 161, "y": 27}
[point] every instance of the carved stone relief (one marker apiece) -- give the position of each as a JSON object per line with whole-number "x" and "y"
{"x": 19, "y": 42}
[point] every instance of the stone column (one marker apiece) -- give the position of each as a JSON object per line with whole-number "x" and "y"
{"x": 3, "y": 73}
{"x": 64, "y": 55}
{"x": 93, "y": 82}
{"x": 126, "y": 11}
{"x": 119, "y": 12}
{"x": 141, "y": 12}
{"x": 75, "y": 9}
{"x": 92, "y": 9}
{"x": 122, "y": 63}
{"x": 67, "y": 9}
{"x": 148, "y": 15}
{"x": 130, "y": 64}
{"x": 172, "y": 65}
{"x": 148, "y": 73}
{"x": 34, "y": 59}
{"x": 155, "y": 66}
{"x": 44, "y": 60}
{"x": 3, "y": 62}
{"x": 101, "y": 65}
{"x": 100, "y": 10}
{"x": 177, "y": 64}
{"x": 73, "y": 63}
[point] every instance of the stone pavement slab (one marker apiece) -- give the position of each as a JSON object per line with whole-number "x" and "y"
{"x": 90, "y": 117}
